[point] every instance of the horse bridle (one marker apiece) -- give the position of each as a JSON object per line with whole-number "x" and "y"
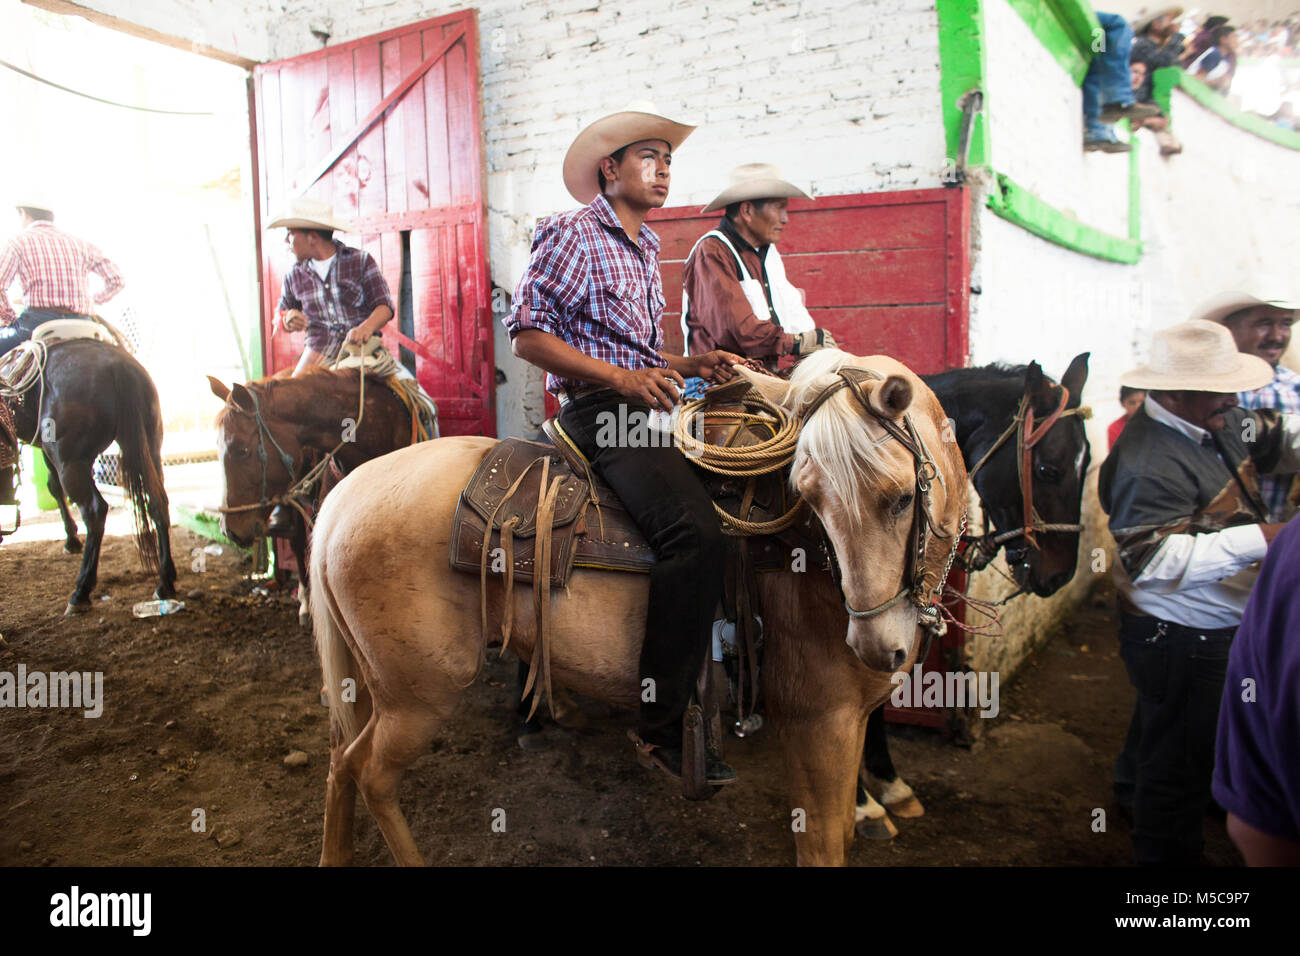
{"x": 263, "y": 434}
{"x": 914, "y": 575}
{"x": 1027, "y": 436}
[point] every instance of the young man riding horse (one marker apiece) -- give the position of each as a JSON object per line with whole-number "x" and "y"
{"x": 334, "y": 292}
{"x": 588, "y": 311}
{"x": 52, "y": 267}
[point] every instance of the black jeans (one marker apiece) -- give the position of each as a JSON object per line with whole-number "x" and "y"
{"x": 665, "y": 497}
{"x": 1168, "y": 756}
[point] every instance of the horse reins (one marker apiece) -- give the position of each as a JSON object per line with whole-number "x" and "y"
{"x": 914, "y": 575}
{"x": 1027, "y": 436}
{"x": 300, "y": 487}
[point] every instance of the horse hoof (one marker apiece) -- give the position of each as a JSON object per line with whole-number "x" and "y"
{"x": 533, "y": 743}
{"x": 72, "y": 546}
{"x": 162, "y": 595}
{"x": 877, "y": 828}
{"x": 73, "y": 610}
{"x": 908, "y": 809}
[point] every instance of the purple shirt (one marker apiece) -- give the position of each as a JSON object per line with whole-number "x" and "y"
{"x": 593, "y": 288}
{"x": 352, "y": 289}
{"x": 1257, "y": 756}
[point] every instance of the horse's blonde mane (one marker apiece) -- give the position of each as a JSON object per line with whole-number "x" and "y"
{"x": 836, "y": 438}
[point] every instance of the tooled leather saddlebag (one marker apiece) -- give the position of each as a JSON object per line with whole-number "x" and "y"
{"x": 583, "y": 533}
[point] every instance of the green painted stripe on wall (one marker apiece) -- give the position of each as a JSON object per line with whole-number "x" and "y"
{"x": 1064, "y": 28}
{"x": 962, "y": 69}
{"x": 1018, "y": 205}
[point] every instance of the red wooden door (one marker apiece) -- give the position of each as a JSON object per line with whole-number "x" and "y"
{"x": 889, "y": 274}
{"x": 388, "y": 129}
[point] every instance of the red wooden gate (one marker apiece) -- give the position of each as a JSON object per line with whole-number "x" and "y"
{"x": 888, "y": 273}
{"x": 388, "y": 129}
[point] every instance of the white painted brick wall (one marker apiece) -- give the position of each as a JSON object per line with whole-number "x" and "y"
{"x": 1035, "y": 116}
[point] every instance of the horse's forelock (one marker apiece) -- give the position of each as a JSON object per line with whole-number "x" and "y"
{"x": 837, "y": 438}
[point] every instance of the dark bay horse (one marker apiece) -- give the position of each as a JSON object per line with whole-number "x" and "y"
{"x": 91, "y": 394}
{"x": 982, "y": 403}
{"x": 273, "y": 431}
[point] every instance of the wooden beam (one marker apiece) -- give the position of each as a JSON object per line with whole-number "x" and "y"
{"x": 69, "y": 8}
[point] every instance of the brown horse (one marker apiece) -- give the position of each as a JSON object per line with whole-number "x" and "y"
{"x": 90, "y": 394}
{"x": 273, "y": 431}
{"x": 396, "y": 625}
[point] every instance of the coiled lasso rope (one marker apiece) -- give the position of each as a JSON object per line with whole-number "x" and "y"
{"x": 747, "y": 461}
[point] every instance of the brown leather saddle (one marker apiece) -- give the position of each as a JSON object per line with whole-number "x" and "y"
{"x": 588, "y": 527}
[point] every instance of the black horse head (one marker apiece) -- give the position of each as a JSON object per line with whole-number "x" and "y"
{"x": 984, "y": 402}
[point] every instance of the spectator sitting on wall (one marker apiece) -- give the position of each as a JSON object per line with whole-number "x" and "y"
{"x": 1257, "y": 754}
{"x": 1156, "y": 43}
{"x": 1131, "y": 399}
{"x": 1217, "y": 65}
{"x": 1158, "y": 124}
{"x": 1203, "y": 40}
{"x": 1260, "y": 322}
{"x": 1107, "y": 91}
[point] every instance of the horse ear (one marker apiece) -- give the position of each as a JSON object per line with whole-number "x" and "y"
{"x": 892, "y": 397}
{"x": 219, "y": 389}
{"x": 1075, "y": 377}
{"x": 1035, "y": 382}
{"x": 243, "y": 398}
{"x": 775, "y": 390}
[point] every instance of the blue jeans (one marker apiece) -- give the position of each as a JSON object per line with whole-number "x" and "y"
{"x": 1107, "y": 80}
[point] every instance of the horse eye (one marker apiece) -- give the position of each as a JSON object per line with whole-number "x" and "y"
{"x": 1049, "y": 473}
{"x": 900, "y": 505}
{"x": 240, "y": 451}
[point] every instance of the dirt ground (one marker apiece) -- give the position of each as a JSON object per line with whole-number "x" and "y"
{"x": 202, "y": 707}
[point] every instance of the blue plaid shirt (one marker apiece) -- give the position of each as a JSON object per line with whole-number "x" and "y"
{"x": 593, "y": 288}
{"x": 1283, "y": 393}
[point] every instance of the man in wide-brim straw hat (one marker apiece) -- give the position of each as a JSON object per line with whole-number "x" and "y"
{"x": 53, "y": 267}
{"x": 1181, "y": 491}
{"x": 334, "y": 292}
{"x": 588, "y": 311}
{"x": 735, "y": 294}
{"x": 1260, "y": 316}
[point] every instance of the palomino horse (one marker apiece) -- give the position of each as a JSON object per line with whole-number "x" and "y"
{"x": 986, "y": 404}
{"x": 89, "y": 394}
{"x": 273, "y": 431}
{"x": 390, "y": 614}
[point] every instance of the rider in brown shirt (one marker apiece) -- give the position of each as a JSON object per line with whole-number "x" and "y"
{"x": 735, "y": 292}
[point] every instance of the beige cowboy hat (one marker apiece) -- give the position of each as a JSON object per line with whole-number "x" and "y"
{"x": 1219, "y": 307}
{"x": 33, "y": 200}
{"x": 304, "y": 213}
{"x": 754, "y": 181}
{"x": 1198, "y": 356}
{"x": 1145, "y": 20}
{"x": 635, "y": 122}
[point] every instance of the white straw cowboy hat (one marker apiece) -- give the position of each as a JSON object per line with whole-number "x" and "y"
{"x": 303, "y": 213}
{"x": 1219, "y": 307}
{"x": 1145, "y": 20}
{"x": 755, "y": 181}
{"x": 1198, "y": 356}
{"x": 635, "y": 122}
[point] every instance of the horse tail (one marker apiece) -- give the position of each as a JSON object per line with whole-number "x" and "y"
{"x": 139, "y": 436}
{"x": 336, "y": 661}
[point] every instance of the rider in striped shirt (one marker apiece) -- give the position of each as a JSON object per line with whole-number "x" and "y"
{"x": 53, "y": 268}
